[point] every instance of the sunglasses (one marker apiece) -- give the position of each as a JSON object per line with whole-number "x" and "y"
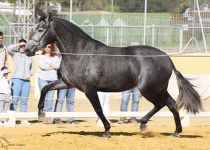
{"x": 48, "y": 46}
{"x": 22, "y": 46}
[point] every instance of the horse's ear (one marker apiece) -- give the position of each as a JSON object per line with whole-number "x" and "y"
{"x": 49, "y": 17}
{"x": 38, "y": 16}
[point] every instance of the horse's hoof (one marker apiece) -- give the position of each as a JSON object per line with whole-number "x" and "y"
{"x": 175, "y": 134}
{"x": 41, "y": 114}
{"x": 143, "y": 128}
{"x": 107, "y": 135}
{"x": 41, "y": 119}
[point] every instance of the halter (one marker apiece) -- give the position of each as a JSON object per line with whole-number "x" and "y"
{"x": 38, "y": 41}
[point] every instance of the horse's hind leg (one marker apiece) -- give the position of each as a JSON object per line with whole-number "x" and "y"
{"x": 159, "y": 101}
{"x": 164, "y": 99}
{"x": 171, "y": 104}
{"x": 94, "y": 100}
{"x": 146, "y": 118}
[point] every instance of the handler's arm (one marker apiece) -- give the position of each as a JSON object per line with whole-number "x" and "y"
{"x": 12, "y": 49}
{"x": 43, "y": 64}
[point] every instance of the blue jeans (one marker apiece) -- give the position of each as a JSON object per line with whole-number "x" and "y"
{"x": 70, "y": 95}
{"x": 135, "y": 99}
{"x": 4, "y": 102}
{"x": 20, "y": 88}
{"x": 48, "y": 103}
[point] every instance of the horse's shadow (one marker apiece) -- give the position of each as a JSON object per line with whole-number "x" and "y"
{"x": 84, "y": 133}
{"x": 183, "y": 135}
{"x": 100, "y": 134}
{"x": 37, "y": 121}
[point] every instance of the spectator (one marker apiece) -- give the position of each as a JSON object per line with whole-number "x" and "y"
{"x": 135, "y": 103}
{"x": 104, "y": 98}
{"x": 5, "y": 92}
{"x": 3, "y": 53}
{"x": 23, "y": 69}
{"x": 49, "y": 63}
{"x": 69, "y": 94}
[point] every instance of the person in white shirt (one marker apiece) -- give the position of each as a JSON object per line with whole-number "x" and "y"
{"x": 49, "y": 63}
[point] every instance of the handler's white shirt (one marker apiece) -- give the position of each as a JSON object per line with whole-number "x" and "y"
{"x": 45, "y": 71}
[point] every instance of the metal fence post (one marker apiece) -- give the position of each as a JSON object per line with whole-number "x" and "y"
{"x": 153, "y": 35}
{"x": 180, "y": 39}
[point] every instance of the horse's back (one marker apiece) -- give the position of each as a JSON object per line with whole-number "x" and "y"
{"x": 146, "y": 56}
{"x": 134, "y": 65}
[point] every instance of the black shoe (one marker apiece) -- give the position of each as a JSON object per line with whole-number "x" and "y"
{"x": 56, "y": 121}
{"x": 133, "y": 120}
{"x": 123, "y": 120}
{"x": 72, "y": 122}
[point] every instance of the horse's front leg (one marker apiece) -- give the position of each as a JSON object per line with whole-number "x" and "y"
{"x": 94, "y": 100}
{"x": 56, "y": 85}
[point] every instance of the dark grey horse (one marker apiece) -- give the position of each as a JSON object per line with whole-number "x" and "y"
{"x": 91, "y": 66}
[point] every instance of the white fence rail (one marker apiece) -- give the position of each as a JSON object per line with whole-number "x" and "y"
{"x": 12, "y": 115}
{"x": 31, "y": 115}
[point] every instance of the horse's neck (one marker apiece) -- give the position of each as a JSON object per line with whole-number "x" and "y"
{"x": 74, "y": 40}
{"x": 78, "y": 45}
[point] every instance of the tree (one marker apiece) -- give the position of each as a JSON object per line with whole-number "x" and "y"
{"x": 43, "y": 7}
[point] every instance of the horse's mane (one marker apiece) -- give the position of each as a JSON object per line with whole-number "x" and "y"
{"x": 74, "y": 30}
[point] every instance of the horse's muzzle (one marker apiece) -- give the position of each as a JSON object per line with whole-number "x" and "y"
{"x": 29, "y": 53}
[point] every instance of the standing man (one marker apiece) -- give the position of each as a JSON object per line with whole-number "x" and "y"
{"x": 69, "y": 94}
{"x": 3, "y": 53}
{"x": 135, "y": 103}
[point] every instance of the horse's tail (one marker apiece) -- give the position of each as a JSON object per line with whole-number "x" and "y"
{"x": 188, "y": 97}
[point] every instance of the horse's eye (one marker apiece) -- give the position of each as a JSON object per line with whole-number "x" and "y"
{"x": 40, "y": 29}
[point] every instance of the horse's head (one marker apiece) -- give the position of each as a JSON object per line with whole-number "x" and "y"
{"x": 42, "y": 35}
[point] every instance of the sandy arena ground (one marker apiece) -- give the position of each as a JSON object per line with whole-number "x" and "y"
{"x": 87, "y": 136}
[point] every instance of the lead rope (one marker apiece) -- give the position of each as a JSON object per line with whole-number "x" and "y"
{"x": 146, "y": 56}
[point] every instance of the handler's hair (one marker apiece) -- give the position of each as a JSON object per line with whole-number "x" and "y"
{"x": 1, "y": 33}
{"x": 52, "y": 52}
{"x": 4, "y": 67}
{"x": 22, "y": 40}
